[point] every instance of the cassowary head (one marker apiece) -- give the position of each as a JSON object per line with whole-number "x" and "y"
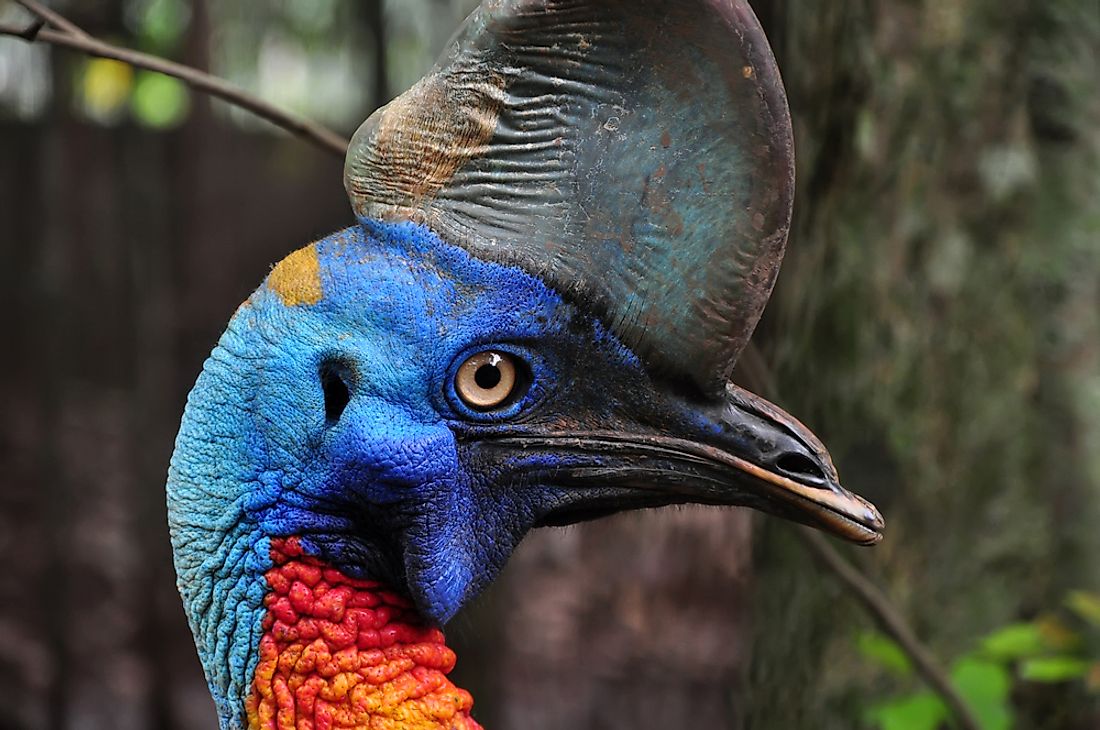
{"x": 567, "y": 232}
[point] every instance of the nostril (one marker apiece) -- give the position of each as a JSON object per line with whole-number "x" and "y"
{"x": 334, "y": 377}
{"x": 799, "y": 465}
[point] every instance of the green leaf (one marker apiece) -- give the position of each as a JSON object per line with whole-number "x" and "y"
{"x": 1086, "y": 605}
{"x": 1054, "y": 669}
{"x": 885, "y": 652}
{"x": 1015, "y": 641}
{"x": 920, "y": 711}
{"x": 985, "y": 686}
{"x": 164, "y": 22}
{"x": 159, "y": 101}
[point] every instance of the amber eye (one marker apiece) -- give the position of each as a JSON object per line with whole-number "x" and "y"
{"x": 487, "y": 380}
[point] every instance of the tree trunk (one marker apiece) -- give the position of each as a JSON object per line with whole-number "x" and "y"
{"x": 938, "y": 322}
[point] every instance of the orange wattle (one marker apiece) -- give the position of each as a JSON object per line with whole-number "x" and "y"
{"x": 338, "y": 652}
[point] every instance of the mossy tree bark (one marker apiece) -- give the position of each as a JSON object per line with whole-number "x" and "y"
{"x": 938, "y": 322}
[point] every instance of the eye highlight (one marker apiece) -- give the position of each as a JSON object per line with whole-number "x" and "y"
{"x": 488, "y": 380}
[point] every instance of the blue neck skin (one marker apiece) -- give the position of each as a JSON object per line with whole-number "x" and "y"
{"x": 387, "y": 491}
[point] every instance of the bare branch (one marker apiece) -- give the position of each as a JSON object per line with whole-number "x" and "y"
{"x": 32, "y": 30}
{"x": 61, "y": 23}
{"x": 199, "y": 80}
{"x": 891, "y": 622}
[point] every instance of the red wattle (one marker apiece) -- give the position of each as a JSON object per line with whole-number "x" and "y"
{"x": 337, "y": 652}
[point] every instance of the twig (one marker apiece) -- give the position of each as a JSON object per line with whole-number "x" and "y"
{"x": 891, "y": 622}
{"x": 32, "y": 31}
{"x": 48, "y": 16}
{"x": 196, "y": 79}
{"x": 876, "y": 603}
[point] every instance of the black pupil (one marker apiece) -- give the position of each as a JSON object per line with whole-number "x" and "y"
{"x": 487, "y": 377}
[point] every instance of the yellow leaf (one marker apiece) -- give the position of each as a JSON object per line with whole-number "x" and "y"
{"x": 106, "y": 88}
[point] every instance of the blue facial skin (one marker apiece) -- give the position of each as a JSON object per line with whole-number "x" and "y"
{"x": 403, "y": 484}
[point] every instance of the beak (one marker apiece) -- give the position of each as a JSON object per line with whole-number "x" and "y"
{"x": 744, "y": 451}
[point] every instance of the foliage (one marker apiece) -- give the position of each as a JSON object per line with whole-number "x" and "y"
{"x": 1058, "y": 647}
{"x": 159, "y": 101}
{"x": 108, "y": 92}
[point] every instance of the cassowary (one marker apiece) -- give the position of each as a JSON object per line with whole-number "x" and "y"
{"x": 566, "y": 233}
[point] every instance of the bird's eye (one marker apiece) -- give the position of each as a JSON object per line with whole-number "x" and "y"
{"x": 489, "y": 380}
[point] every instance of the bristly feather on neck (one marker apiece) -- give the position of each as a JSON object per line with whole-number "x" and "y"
{"x": 337, "y": 652}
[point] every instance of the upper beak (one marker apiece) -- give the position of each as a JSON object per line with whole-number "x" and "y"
{"x": 746, "y": 451}
{"x": 792, "y": 470}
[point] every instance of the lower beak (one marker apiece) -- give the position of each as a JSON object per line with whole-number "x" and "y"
{"x": 747, "y": 452}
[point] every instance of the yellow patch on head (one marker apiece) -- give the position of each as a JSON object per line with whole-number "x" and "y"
{"x": 297, "y": 278}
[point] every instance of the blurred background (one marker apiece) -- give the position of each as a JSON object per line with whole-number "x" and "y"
{"x": 937, "y": 322}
